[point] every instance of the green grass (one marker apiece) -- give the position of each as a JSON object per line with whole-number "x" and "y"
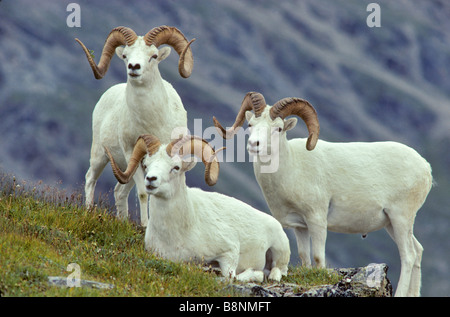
{"x": 43, "y": 230}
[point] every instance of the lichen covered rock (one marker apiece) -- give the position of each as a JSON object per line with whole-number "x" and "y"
{"x": 369, "y": 281}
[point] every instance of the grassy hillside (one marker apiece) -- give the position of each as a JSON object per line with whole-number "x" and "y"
{"x": 43, "y": 230}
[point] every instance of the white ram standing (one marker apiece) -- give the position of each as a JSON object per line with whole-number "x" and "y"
{"x": 188, "y": 224}
{"x": 145, "y": 104}
{"x": 342, "y": 187}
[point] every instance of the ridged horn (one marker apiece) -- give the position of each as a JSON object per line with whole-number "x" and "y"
{"x": 120, "y": 35}
{"x": 252, "y": 101}
{"x": 145, "y": 144}
{"x": 174, "y": 37}
{"x": 199, "y": 147}
{"x": 303, "y": 109}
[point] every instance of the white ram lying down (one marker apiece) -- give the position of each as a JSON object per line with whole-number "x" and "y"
{"x": 342, "y": 187}
{"x": 145, "y": 104}
{"x": 188, "y": 224}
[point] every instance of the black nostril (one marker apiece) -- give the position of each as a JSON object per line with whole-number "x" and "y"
{"x": 134, "y": 67}
{"x": 254, "y": 143}
{"x": 151, "y": 179}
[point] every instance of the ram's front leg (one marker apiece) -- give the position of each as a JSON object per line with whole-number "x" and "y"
{"x": 318, "y": 230}
{"x": 303, "y": 245}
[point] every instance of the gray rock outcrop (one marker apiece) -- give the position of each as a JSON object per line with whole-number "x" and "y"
{"x": 369, "y": 281}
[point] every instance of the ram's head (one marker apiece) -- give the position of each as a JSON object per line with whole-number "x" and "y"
{"x": 142, "y": 52}
{"x": 266, "y": 121}
{"x": 162, "y": 164}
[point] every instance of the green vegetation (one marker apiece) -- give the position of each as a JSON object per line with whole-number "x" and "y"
{"x": 42, "y": 231}
{"x": 308, "y": 277}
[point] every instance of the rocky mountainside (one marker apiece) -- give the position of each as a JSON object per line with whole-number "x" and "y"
{"x": 367, "y": 84}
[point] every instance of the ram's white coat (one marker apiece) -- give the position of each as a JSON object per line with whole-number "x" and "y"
{"x": 313, "y": 186}
{"x": 146, "y": 104}
{"x": 189, "y": 224}
{"x": 342, "y": 187}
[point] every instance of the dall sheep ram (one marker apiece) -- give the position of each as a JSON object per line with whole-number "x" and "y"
{"x": 192, "y": 225}
{"x": 145, "y": 104}
{"x": 342, "y": 187}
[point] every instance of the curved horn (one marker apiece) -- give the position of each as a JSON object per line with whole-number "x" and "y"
{"x": 303, "y": 109}
{"x": 175, "y": 38}
{"x": 118, "y": 36}
{"x": 252, "y": 101}
{"x": 199, "y": 147}
{"x": 145, "y": 144}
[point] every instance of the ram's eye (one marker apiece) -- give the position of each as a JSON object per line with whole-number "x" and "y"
{"x": 155, "y": 56}
{"x": 124, "y": 56}
{"x": 176, "y": 168}
{"x": 280, "y": 129}
{"x": 249, "y": 125}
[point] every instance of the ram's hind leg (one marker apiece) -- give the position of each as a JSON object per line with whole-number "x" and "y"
{"x": 98, "y": 162}
{"x": 250, "y": 275}
{"x": 401, "y": 233}
{"x": 277, "y": 259}
{"x": 121, "y": 193}
{"x": 142, "y": 194}
{"x": 416, "y": 275}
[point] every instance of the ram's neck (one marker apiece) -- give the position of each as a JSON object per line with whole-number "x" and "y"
{"x": 273, "y": 165}
{"x": 147, "y": 100}
{"x": 280, "y": 187}
{"x": 172, "y": 218}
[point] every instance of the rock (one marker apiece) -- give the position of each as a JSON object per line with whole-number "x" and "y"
{"x": 64, "y": 282}
{"x": 256, "y": 290}
{"x": 369, "y": 281}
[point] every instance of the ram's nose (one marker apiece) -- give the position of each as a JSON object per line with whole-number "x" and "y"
{"x": 151, "y": 183}
{"x": 134, "y": 70}
{"x": 253, "y": 147}
{"x": 253, "y": 144}
{"x": 134, "y": 66}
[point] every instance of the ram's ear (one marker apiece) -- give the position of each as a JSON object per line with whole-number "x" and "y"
{"x": 248, "y": 115}
{"x": 163, "y": 53}
{"x": 289, "y": 124}
{"x": 188, "y": 165}
{"x": 119, "y": 51}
